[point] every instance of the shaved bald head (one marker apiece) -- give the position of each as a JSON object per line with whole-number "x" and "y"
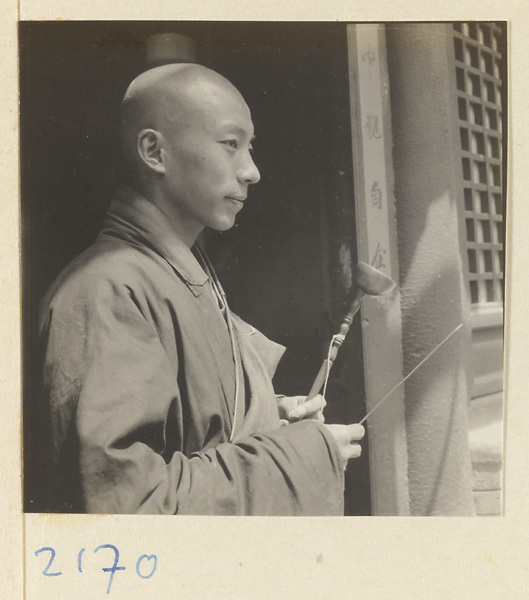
{"x": 186, "y": 135}
{"x": 165, "y": 99}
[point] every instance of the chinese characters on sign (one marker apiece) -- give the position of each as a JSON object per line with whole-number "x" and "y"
{"x": 376, "y": 196}
{"x": 372, "y": 127}
{"x": 369, "y": 57}
{"x": 378, "y": 259}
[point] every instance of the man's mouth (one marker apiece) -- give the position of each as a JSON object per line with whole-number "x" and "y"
{"x": 239, "y": 199}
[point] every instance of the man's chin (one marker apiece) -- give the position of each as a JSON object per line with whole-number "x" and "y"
{"x": 223, "y": 225}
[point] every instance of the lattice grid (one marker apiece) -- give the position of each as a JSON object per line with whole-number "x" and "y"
{"x": 479, "y": 83}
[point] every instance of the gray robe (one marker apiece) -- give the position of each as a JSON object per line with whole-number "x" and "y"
{"x": 138, "y": 385}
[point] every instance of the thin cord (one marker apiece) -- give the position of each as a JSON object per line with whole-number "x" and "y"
{"x": 236, "y": 362}
{"x": 328, "y": 370}
{"x": 223, "y": 306}
{"x": 412, "y": 371}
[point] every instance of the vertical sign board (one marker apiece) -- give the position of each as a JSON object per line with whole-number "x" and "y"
{"x": 377, "y": 245}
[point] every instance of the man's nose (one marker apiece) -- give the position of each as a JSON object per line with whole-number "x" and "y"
{"x": 248, "y": 171}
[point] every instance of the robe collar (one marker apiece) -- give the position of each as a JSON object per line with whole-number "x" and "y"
{"x": 135, "y": 216}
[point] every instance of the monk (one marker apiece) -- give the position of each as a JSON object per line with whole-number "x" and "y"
{"x": 156, "y": 398}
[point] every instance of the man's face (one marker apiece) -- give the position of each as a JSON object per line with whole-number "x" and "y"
{"x": 208, "y": 163}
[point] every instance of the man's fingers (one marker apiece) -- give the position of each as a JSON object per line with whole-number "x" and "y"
{"x": 354, "y": 450}
{"x": 308, "y": 407}
{"x": 346, "y": 436}
{"x": 355, "y": 431}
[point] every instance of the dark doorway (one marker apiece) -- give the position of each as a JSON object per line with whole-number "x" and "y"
{"x": 285, "y": 265}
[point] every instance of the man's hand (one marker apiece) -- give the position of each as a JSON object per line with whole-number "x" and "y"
{"x": 297, "y": 408}
{"x": 347, "y": 437}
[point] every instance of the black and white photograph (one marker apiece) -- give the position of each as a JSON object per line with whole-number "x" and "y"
{"x": 262, "y": 267}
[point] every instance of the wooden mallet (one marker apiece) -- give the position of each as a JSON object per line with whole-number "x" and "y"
{"x": 370, "y": 281}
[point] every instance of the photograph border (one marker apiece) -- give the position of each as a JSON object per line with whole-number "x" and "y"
{"x": 230, "y": 557}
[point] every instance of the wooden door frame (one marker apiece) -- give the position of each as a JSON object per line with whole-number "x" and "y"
{"x": 377, "y": 245}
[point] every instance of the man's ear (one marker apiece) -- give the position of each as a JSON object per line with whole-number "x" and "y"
{"x": 149, "y": 146}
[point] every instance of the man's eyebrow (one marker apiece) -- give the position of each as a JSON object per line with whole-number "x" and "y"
{"x": 237, "y": 129}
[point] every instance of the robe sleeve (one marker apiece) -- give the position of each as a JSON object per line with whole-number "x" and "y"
{"x": 108, "y": 385}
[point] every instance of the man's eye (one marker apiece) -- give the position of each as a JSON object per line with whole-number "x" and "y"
{"x": 231, "y": 143}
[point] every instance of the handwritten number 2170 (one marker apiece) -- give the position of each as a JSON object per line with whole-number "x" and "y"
{"x": 145, "y": 565}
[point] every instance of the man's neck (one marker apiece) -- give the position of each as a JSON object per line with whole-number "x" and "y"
{"x": 186, "y": 230}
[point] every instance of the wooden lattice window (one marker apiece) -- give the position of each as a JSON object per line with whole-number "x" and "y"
{"x": 478, "y": 64}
